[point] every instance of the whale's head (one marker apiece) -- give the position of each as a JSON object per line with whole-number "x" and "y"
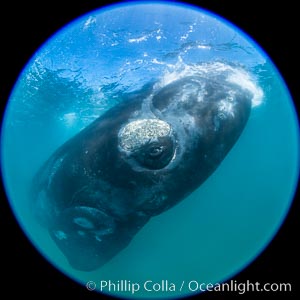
{"x": 136, "y": 161}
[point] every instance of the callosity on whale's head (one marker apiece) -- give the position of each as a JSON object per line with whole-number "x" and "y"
{"x": 137, "y": 160}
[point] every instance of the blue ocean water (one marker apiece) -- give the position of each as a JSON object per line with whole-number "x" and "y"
{"x": 87, "y": 68}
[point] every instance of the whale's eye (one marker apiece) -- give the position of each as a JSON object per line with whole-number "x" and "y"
{"x": 155, "y": 155}
{"x": 149, "y": 142}
{"x": 156, "y": 151}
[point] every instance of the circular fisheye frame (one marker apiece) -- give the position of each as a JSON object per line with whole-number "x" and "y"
{"x": 156, "y": 168}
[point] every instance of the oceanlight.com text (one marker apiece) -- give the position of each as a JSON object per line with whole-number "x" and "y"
{"x": 239, "y": 287}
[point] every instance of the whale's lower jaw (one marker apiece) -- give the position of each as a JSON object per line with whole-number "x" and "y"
{"x": 89, "y": 237}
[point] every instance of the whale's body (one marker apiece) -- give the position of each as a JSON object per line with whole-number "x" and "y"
{"x": 137, "y": 160}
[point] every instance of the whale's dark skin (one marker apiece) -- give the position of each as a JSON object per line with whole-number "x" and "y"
{"x": 97, "y": 190}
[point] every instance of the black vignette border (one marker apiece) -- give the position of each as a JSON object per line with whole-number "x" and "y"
{"x": 25, "y": 26}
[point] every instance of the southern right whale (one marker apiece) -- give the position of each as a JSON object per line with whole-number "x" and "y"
{"x": 135, "y": 161}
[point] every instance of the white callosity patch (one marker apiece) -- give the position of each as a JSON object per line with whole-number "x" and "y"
{"x": 137, "y": 133}
{"x": 226, "y": 106}
{"x": 60, "y": 235}
{"x": 196, "y": 90}
{"x": 225, "y": 109}
{"x": 232, "y": 74}
{"x": 83, "y": 222}
{"x": 189, "y": 91}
